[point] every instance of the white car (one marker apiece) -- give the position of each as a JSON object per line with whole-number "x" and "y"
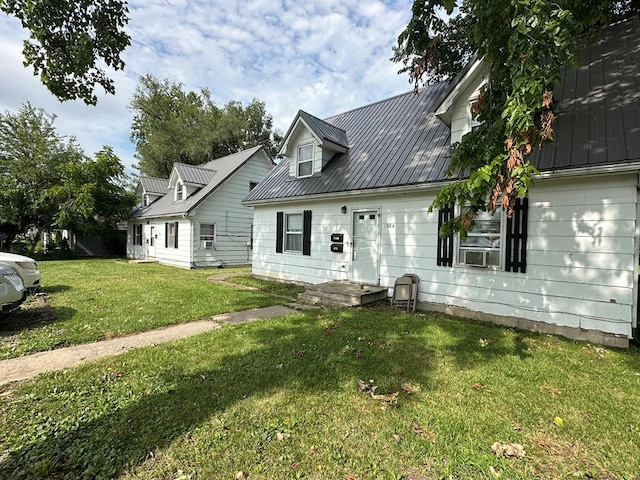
{"x": 27, "y": 268}
{"x": 12, "y": 290}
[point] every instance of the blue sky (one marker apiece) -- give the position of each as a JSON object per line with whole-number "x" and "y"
{"x": 322, "y": 56}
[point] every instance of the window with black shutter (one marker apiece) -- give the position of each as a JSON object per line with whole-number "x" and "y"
{"x": 516, "y": 239}
{"x": 445, "y": 245}
{"x": 279, "y": 231}
{"x": 306, "y": 233}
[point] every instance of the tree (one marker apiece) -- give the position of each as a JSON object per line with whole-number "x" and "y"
{"x": 524, "y": 43}
{"x": 173, "y": 125}
{"x": 47, "y": 182}
{"x": 69, "y": 40}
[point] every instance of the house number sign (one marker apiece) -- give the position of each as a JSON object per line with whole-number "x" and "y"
{"x": 389, "y": 225}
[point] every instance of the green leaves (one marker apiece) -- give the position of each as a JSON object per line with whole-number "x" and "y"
{"x": 70, "y": 40}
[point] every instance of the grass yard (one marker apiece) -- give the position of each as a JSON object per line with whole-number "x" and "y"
{"x": 100, "y": 299}
{"x": 281, "y": 399}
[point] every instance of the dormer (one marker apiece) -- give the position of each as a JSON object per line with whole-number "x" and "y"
{"x": 150, "y": 189}
{"x": 454, "y": 108}
{"x": 185, "y": 180}
{"x": 310, "y": 143}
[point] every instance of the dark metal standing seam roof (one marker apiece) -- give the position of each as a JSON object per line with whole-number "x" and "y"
{"x": 598, "y": 105}
{"x": 398, "y": 141}
{"x": 324, "y": 130}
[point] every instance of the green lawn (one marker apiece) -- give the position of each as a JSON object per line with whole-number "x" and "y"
{"x": 279, "y": 399}
{"x": 99, "y": 299}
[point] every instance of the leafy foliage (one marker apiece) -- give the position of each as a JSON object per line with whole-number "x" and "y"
{"x": 173, "y": 125}
{"x": 69, "y": 42}
{"x": 46, "y": 181}
{"x": 523, "y": 44}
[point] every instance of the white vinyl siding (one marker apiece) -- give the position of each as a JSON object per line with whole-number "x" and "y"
{"x": 581, "y": 254}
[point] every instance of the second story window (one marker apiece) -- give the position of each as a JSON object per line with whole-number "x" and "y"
{"x": 305, "y": 160}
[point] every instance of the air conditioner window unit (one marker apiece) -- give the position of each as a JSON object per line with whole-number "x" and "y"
{"x": 476, "y": 258}
{"x": 208, "y": 244}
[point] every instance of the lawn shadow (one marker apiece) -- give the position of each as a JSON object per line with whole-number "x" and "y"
{"x": 49, "y": 289}
{"x": 33, "y": 317}
{"x": 316, "y": 352}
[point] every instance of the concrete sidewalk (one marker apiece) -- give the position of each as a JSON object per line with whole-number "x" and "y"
{"x": 24, "y": 368}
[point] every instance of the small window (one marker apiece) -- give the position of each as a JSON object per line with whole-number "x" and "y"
{"x": 172, "y": 235}
{"x": 305, "y": 160}
{"x": 207, "y": 235}
{"x": 252, "y": 185}
{"x": 473, "y": 120}
{"x": 293, "y": 232}
{"x": 179, "y": 192}
{"x": 483, "y": 245}
{"x": 137, "y": 234}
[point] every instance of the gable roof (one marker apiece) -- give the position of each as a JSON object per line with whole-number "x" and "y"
{"x": 194, "y": 175}
{"x": 220, "y": 168}
{"x": 322, "y": 130}
{"x": 401, "y": 142}
{"x": 153, "y": 185}
{"x": 398, "y": 141}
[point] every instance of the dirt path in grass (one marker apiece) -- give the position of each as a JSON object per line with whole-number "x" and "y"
{"x": 24, "y": 368}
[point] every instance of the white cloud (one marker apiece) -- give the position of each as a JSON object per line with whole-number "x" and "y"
{"x": 322, "y": 56}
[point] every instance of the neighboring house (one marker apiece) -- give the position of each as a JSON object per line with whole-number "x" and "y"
{"x": 195, "y": 218}
{"x": 350, "y": 201}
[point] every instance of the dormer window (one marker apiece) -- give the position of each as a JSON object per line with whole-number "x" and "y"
{"x": 305, "y": 160}
{"x": 179, "y": 192}
{"x": 473, "y": 119}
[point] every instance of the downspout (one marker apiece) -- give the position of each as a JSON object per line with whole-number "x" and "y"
{"x": 636, "y": 256}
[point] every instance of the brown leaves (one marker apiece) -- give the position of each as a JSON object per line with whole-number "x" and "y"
{"x": 428, "y": 435}
{"x": 409, "y": 388}
{"x": 508, "y": 449}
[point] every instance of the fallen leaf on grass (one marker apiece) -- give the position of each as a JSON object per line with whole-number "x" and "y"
{"x": 422, "y": 433}
{"x": 396, "y": 437}
{"x": 298, "y": 353}
{"x": 407, "y": 387}
{"x": 391, "y": 398}
{"x": 294, "y": 465}
{"x": 508, "y": 449}
{"x": 329, "y": 328}
{"x": 558, "y": 421}
{"x": 485, "y": 341}
{"x": 241, "y": 475}
{"x": 494, "y": 471}
{"x": 478, "y": 386}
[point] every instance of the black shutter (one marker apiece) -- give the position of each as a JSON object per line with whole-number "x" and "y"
{"x": 166, "y": 234}
{"x": 175, "y": 238}
{"x": 445, "y": 245}
{"x": 279, "y": 231}
{"x": 306, "y": 232}
{"x": 516, "y": 247}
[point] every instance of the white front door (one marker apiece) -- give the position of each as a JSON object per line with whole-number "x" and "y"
{"x": 364, "y": 247}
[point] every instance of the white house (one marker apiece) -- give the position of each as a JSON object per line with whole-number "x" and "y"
{"x": 350, "y": 201}
{"x": 195, "y": 218}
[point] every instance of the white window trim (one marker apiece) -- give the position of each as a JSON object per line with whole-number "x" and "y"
{"x": 207, "y": 243}
{"x": 298, "y": 162}
{"x": 286, "y": 232}
{"x": 503, "y": 235}
{"x": 471, "y": 122}
{"x": 182, "y": 195}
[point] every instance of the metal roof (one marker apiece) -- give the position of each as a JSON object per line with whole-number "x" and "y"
{"x": 154, "y": 184}
{"x": 194, "y": 175}
{"x": 598, "y": 105}
{"x": 324, "y": 130}
{"x": 223, "y": 168}
{"x": 400, "y": 142}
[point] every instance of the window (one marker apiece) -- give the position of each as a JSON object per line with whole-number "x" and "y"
{"x": 483, "y": 245}
{"x": 207, "y": 235}
{"x": 171, "y": 235}
{"x": 179, "y": 192}
{"x": 137, "y": 234}
{"x": 293, "y": 232}
{"x": 252, "y": 185}
{"x": 305, "y": 160}
{"x": 473, "y": 122}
